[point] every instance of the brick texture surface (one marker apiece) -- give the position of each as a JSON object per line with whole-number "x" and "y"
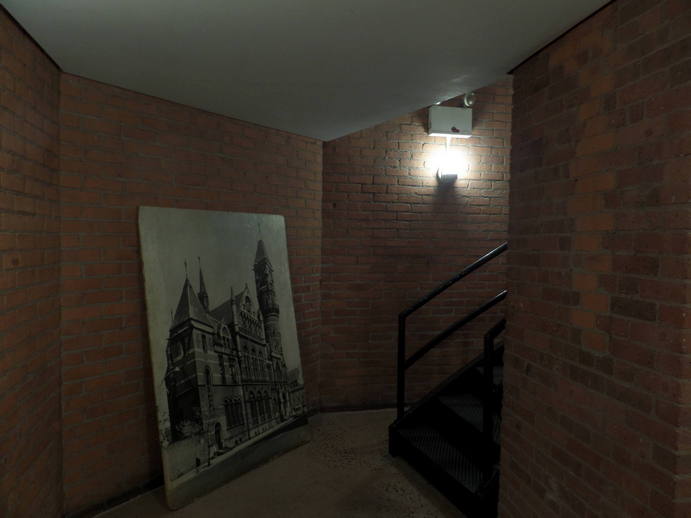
{"x": 30, "y": 475}
{"x": 120, "y": 150}
{"x": 598, "y": 378}
{"x": 391, "y": 233}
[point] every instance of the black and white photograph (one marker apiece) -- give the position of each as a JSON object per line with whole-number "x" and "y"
{"x": 223, "y": 339}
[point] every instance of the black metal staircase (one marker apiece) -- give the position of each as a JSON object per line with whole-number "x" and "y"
{"x": 451, "y": 436}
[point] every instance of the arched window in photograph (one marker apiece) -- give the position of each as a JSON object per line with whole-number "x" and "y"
{"x": 204, "y": 342}
{"x": 177, "y": 351}
{"x": 253, "y": 409}
{"x": 222, "y": 367}
{"x": 229, "y": 414}
{"x": 209, "y": 387}
{"x": 186, "y": 344}
{"x": 225, "y": 337}
{"x": 233, "y": 412}
{"x": 241, "y": 415}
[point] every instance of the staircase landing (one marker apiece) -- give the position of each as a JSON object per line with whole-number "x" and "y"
{"x": 444, "y": 438}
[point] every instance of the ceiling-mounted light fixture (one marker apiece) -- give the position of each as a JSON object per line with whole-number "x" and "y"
{"x": 450, "y": 121}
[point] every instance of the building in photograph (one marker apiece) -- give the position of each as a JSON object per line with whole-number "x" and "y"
{"x": 226, "y": 379}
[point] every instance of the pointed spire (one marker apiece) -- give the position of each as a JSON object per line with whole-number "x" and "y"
{"x": 189, "y": 306}
{"x": 203, "y": 295}
{"x": 261, "y": 252}
{"x": 186, "y": 276}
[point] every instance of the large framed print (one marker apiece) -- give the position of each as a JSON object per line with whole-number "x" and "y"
{"x": 224, "y": 350}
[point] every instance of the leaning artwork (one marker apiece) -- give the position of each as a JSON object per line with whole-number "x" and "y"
{"x": 224, "y": 350}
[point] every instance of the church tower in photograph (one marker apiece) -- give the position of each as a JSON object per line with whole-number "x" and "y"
{"x": 264, "y": 279}
{"x": 268, "y": 305}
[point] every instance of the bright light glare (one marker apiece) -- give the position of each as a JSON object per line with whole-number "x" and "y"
{"x": 451, "y": 160}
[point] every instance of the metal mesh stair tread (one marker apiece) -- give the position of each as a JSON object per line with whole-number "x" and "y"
{"x": 469, "y": 408}
{"x": 440, "y": 451}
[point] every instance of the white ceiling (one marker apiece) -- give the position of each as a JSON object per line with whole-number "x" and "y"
{"x": 321, "y": 68}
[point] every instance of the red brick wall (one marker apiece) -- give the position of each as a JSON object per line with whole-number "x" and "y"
{"x": 120, "y": 150}
{"x": 30, "y": 477}
{"x": 598, "y": 381}
{"x": 390, "y": 234}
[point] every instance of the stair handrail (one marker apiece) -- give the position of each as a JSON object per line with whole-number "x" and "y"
{"x": 453, "y": 280}
{"x": 455, "y": 327}
{"x": 402, "y": 363}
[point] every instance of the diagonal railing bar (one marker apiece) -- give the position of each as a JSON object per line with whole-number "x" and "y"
{"x": 455, "y": 327}
{"x": 453, "y": 280}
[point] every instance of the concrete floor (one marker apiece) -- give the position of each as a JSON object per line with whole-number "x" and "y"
{"x": 344, "y": 472}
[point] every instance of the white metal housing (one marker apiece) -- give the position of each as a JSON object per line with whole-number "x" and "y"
{"x": 450, "y": 121}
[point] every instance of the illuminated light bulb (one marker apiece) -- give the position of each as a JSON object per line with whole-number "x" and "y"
{"x": 451, "y": 164}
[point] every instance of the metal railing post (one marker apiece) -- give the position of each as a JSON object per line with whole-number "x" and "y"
{"x": 400, "y": 368}
{"x": 488, "y": 389}
{"x": 488, "y": 380}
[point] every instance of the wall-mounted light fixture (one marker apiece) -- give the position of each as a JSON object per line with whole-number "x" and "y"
{"x": 451, "y": 122}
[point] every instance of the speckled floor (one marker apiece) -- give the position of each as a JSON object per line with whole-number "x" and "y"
{"x": 345, "y": 471}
